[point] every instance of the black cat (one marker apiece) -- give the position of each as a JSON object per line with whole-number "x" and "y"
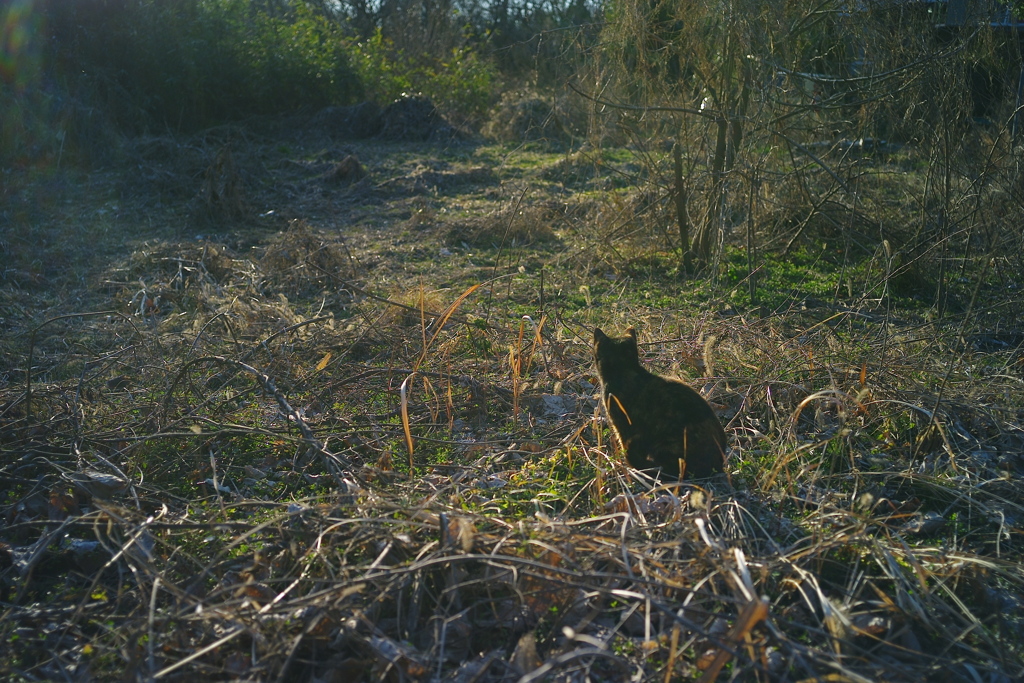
{"x": 660, "y": 422}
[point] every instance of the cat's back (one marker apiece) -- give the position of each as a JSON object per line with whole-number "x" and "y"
{"x": 678, "y": 396}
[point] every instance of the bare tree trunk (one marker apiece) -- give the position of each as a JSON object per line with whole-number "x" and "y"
{"x": 751, "y": 264}
{"x": 707, "y": 237}
{"x": 682, "y": 214}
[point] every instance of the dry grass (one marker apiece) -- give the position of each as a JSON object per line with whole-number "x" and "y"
{"x": 213, "y": 482}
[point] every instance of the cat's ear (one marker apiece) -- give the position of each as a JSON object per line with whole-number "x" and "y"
{"x": 599, "y": 335}
{"x": 631, "y": 331}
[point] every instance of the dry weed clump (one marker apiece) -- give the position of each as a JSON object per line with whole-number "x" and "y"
{"x": 168, "y": 283}
{"x": 210, "y": 170}
{"x": 527, "y": 225}
{"x": 222, "y": 196}
{"x": 413, "y": 308}
{"x": 415, "y": 118}
{"x": 574, "y": 170}
{"x": 303, "y": 261}
{"x": 530, "y": 117}
{"x": 354, "y": 122}
{"x": 345, "y": 172}
{"x": 520, "y": 118}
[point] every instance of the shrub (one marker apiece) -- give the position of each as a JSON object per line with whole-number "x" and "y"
{"x": 186, "y": 64}
{"x": 138, "y": 65}
{"x": 464, "y": 83}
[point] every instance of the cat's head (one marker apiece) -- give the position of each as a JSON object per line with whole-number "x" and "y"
{"x": 613, "y": 353}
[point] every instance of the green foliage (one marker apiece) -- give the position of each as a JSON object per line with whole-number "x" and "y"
{"x": 381, "y": 72}
{"x": 74, "y": 74}
{"x": 187, "y": 64}
{"x": 463, "y": 82}
{"x": 300, "y": 60}
{"x": 198, "y": 62}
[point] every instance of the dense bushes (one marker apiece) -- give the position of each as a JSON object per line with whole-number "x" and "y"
{"x": 185, "y": 64}
{"x": 462, "y": 83}
{"x": 191, "y": 63}
{"x": 781, "y": 113}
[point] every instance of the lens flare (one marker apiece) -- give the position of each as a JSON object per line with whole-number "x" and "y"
{"x": 19, "y": 44}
